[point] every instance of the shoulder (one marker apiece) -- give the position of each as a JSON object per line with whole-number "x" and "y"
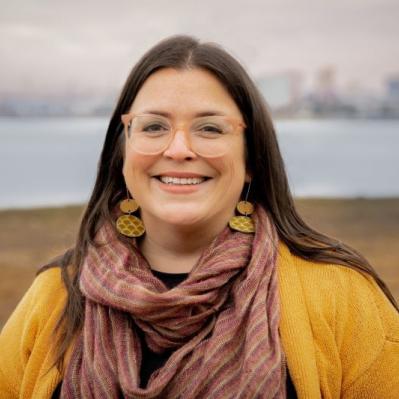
{"x": 329, "y": 279}
{"x": 49, "y": 283}
{"x": 42, "y": 302}
{"x": 332, "y": 287}
{"x": 26, "y": 337}
{"x": 46, "y": 292}
{"x": 353, "y": 325}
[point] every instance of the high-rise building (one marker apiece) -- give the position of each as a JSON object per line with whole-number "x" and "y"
{"x": 392, "y": 88}
{"x": 282, "y": 91}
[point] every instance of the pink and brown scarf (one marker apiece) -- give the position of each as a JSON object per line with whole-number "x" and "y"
{"x": 222, "y": 322}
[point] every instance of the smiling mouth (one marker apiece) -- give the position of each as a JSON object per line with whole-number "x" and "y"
{"x": 183, "y": 181}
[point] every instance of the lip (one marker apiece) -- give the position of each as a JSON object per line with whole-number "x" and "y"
{"x": 180, "y": 174}
{"x": 180, "y": 189}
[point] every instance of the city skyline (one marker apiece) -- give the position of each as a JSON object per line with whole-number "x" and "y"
{"x": 73, "y": 48}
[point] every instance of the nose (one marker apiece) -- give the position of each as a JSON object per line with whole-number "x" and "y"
{"x": 179, "y": 148}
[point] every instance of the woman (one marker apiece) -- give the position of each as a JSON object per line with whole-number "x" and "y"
{"x": 215, "y": 287}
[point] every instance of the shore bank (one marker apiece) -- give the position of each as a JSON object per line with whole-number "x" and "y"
{"x": 31, "y": 238}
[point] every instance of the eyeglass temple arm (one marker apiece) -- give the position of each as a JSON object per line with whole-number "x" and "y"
{"x": 126, "y": 118}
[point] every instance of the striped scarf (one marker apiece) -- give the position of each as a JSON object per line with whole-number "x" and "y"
{"x": 221, "y": 322}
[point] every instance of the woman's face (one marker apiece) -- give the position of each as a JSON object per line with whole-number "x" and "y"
{"x": 183, "y": 95}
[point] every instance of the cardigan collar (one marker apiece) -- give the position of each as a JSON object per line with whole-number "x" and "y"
{"x": 295, "y": 327}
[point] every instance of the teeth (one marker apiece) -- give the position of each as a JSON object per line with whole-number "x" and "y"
{"x": 184, "y": 180}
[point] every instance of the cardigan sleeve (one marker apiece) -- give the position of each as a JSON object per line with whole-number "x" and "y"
{"x": 21, "y": 351}
{"x": 355, "y": 331}
{"x": 370, "y": 342}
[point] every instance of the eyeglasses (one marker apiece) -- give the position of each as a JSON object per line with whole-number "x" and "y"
{"x": 208, "y": 136}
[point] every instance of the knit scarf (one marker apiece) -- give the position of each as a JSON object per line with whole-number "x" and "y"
{"x": 221, "y": 322}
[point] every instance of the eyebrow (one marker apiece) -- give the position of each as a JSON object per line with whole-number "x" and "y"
{"x": 197, "y": 115}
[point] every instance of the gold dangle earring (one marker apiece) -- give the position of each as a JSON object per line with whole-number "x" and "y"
{"x": 243, "y": 223}
{"x": 128, "y": 224}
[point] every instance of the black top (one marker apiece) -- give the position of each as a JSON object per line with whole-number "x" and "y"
{"x": 153, "y": 361}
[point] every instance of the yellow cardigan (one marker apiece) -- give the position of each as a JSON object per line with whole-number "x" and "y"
{"x": 339, "y": 333}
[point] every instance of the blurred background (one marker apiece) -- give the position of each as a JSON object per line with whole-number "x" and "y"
{"x": 329, "y": 71}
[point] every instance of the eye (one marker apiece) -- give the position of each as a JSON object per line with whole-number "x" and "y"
{"x": 212, "y": 128}
{"x": 155, "y": 127}
{"x": 209, "y": 129}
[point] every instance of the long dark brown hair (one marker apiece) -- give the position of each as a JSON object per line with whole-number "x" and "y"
{"x": 269, "y": 186}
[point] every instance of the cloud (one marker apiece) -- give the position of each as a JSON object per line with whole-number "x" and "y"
{"x": 51, "y": 46}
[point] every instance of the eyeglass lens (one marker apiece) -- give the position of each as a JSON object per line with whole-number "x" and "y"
{"x": 208, "y": 136}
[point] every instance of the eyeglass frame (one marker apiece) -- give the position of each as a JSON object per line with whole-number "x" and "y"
{"x": 128, "y": 117}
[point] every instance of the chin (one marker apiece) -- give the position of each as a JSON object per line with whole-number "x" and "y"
{"x": 184, "y": 215}
{"x": 183, "y": 219}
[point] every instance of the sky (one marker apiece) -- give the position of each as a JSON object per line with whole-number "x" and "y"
{"x": 53, "y": 47}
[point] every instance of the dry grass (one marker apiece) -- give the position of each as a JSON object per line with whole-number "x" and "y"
{"x": 369, "y": 226}
{"x": 30, "y": 238}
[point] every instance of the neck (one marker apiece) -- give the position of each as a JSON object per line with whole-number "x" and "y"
{"x": 175, "y": 249}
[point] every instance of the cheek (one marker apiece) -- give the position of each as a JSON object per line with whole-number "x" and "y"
{"x": 135, "y": 167}
{"x": 232, "y": 174}
{"x": 135, "y": 162}
{"x": 232, "y": 165}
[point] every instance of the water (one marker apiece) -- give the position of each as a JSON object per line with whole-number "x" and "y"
{"x": 48, "y": 161}
{"x": 52, "y": 161}
{"x": 341, "y": 158}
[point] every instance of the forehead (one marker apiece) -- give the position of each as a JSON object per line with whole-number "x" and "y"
{"x": 184, "y": 92}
